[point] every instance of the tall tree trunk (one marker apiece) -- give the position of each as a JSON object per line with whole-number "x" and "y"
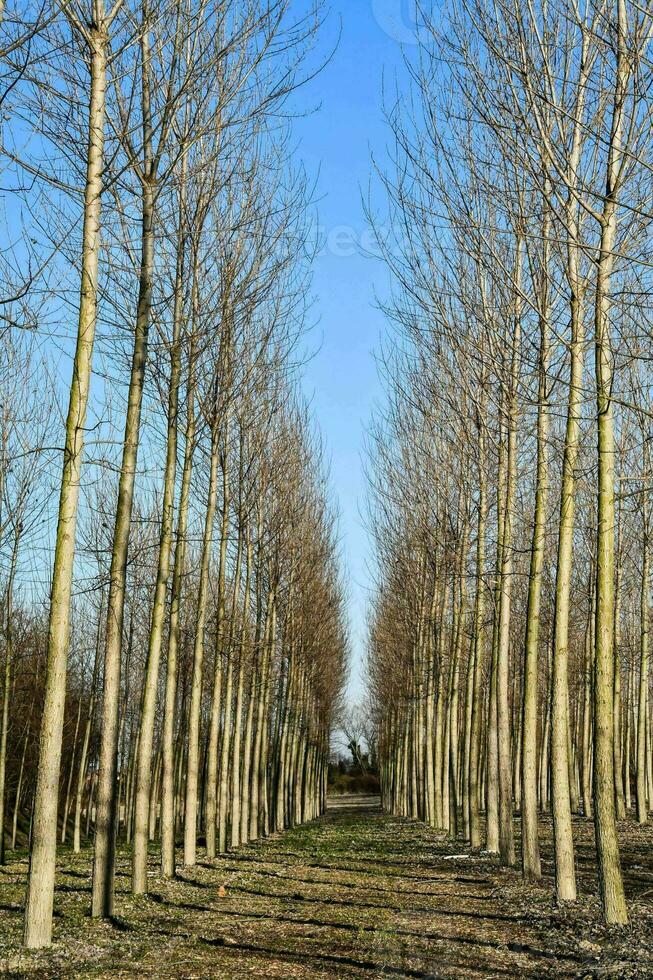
{"x": 429, "y": 761}
{"x": 105, "y": 830}
{"x": 453, "y": 766}
{"x": 619, "y": 798}
{"x": 546, "y": 737}
{"x": 479, "y": 634}
{"x": 642, "y": 705}
{"x": 531, "y": 868}
{"x": 151, "y": 681}
{"x": 224, "y": 808}
{"x": 438, "y": 746}
{"x": 506, "y": 838}
{"x": 565, "y": 873}
{"x": 248, "y": 734}
{"x": 216, "y": 698}
{"x": 492, "y": 755}
{"x": 90, "y": 718}
{"x": 9, "y": 653}
{"x": 43, "y": 844}
{"x": 628, "y": 735}
{"x": 192, "y": 769}
{"x": 168, "y": 793}
{"x": 587, "y": 712}
{"x": 607, "y": 844}
{"x": 234, "y": 836}
{"x": 256, "y": 823}
{"x": 263, "y": 793}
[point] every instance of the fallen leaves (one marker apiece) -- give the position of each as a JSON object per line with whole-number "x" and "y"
{"x": 353, "y": 895}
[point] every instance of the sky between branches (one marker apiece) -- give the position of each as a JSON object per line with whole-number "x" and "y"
{"x": 336, "y": 144}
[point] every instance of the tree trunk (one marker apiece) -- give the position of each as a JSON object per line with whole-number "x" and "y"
{"x": 492, "y": 763}
{"x": 105, "y": 830}
{"x": 192, "y": 769}
{"x": 607, "y": 844}
{"x": 506, "y": 838}
{"x": 151, "y": 681}
{"x": 168, "y": 809}
{"x": 90, "y": 718}
{"x": 642, "y": 705}
{"x": 71, "y": 772}
{"x": 9, "y": 653}
{"x": 43, "y": 844}
{"x": 216, "y": 698}
{"x": 479, "y": 636}
{"x": 531, "y": 868}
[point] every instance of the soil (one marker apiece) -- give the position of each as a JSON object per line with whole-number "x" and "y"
{"x": 354, "y": 894}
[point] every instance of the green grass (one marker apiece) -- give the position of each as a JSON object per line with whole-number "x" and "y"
{"x": 355, "y": 894}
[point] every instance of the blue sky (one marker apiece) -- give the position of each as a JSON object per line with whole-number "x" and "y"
{"x": 336, "y": 144}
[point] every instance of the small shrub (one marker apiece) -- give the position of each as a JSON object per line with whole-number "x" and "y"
{"x": 364, "y": 783}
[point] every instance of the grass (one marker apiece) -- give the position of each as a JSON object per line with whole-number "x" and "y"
{"x": 355, "y": 894}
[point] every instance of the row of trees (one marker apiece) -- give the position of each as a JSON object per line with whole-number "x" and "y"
{"x": 151, "y": 175}
{"x": 510, "y": 471}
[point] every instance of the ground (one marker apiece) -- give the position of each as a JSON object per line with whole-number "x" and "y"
{"x": 354, "y": 894}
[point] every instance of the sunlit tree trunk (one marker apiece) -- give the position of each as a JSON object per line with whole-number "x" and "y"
{"x": 192, "y": 767}
{"x": 256, "y": 824}
{"x": 248, "y": 748}
{"x": 220, "y": 634}
{"x": 253, "y": 695}
{"x": 438, "y": 747}
{"x": 586, "y": 751}
{"x": 105, "y": 830}
{"x": 544, "y": 770}
{"x": 565, "y": 873}
{"x": 429, "y": 761}
{"x": 628, "y": 736}
{"x": 641, "y": 787}
{"x": 479, "y": 635}
{"x": 607, "y": 844}
{"x": 492, "y": 757}
{"x": 151, "y": 681}
{"x": 264, "y": 802}
{"x": 236, "y": 750}
{"x": 6, "y": 693}
{"x": 168, "y": 792}
{"x": 453, "y": 767}
{"x": 531, "y": 868}
{"x": 104, "y": 861}
{"x": 619, "y": 799}
{"x": 506, "y": 838}
{"x": 224, "y": 807}
{"x": 236, "y": 744}
{"x": 43, "y": 844}
{"x": 467, "y": 739}
{"x": 90, "y": 720}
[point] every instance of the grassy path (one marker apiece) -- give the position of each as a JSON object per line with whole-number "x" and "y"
{"x": 355, "y": 894}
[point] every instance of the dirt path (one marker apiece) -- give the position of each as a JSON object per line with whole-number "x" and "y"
{"x": 356, "y": 894}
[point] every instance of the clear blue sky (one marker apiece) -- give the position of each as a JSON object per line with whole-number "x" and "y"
{"x": 336, "y": 144}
